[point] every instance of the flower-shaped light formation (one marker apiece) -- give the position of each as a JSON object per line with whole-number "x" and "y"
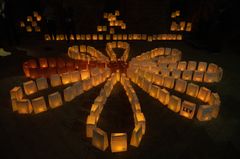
{"x": 160, "y": 72}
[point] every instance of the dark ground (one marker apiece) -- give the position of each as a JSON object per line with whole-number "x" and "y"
{"x": 60, "y": 133}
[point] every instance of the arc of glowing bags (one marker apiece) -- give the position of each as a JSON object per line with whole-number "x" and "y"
{"x": 157, "y": 72}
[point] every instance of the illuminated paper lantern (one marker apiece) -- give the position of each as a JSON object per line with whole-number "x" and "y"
{"x": 179, "y": 37}
{"x": 100, "y": 139}
{"x": 189, "y": 27}
{"x": 88, "y": 37}
{"x": 198, "y": 76}
{"x": 187, "y": 75}
{"x": 212, "y": 68}
{"x": 112, "y": 31}
{"x": 202, "y": 66}
{"x": 96, "y": 109}
{"x": 22, "y": 24}
{"x": 78, "y": 86}
{"x": 43, "y": 62}
{"x": 188, "y": 109}
{"x": 90, "y": 125}
{"x": 215, "y": 102}
{"x": 181, "y": 85}
{"x": 104, "y": 28}
{"x": 85, "y": 74}
{"x": 29, "y": 29}
{"x": 55, "y": 100}
{"x": 87, "y": 84}
{"x": 204, "y": 94}
{"x": 72, "y": 37}
{"x": 55, "y": 80}
{"x": 42, "y": 83}
{"x": 146, "y": 85}
{"x": 169, "y": 82}
{"x": 75, "y": 76}
{"x": 148, "y": 76}
{"x": 173, "y": 26}
{"x": 214, "y": 99}
{"x": 144, "y": 36}
{"x": 176, "y": 74}
{"x": 39, "y": 18}
{"x": 29, "y": 18}
{"x": 158, "y": 79}
{"x": 182, "y": 65}
{"x": 30, "y": 87}
{"x": 94, "y": 37}
{"x": 117, "y": 13}
{"x": 136, "y": 136}
{"x": 172, "y": 66}
{"x": 210, "y": 77}
{"x": 96, "y": 80}
{"x": 205, "y": 112}
{"x": 100, "y": 37}
{"x": 154, "y": 91}
{"x": 66, "y": 78}
{"x": 192, "y": 65}
{"x": 115, "y": 37}
{"x": 37, "y": 29}
{"x": 177, "y": 13}
{"x": 69, "y": 94}
{"x": 24, "y": 106}
{"x": 99, "y": 28}
{"x": 83, "y": 48}
{"x": 108, "y": 37}
{"x": 174, "y": 103}
{"x": 78, "y": 37}
{"x": 163, "y": 96}
{"x": 83, "y": 37}
{"x": 139, "y": 119}
{"x": 47, "y": 37}
{"x": 94, "y": 71}
{"x": 118, "y": 142}
{"x": 173, "y": 15}
{"x": 34, "y": 23}
{"x": 165, "y": 72}
{"x": 52, "y": 62}
{"x": 35, "y": 13}
{"x": 182, "y": 25}
{"x": 149, "y": 38}
{"x": 135, "y": 106}
{"x": 119, "y": 37}
{"x": 39, "y": 105}
{"x": 192, "y": 90}
{"x": 16, "y": 93}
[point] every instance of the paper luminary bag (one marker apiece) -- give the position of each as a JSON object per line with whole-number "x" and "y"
{"x": 42, "y": 83}
{"x": 55, "y": 100}
{"x": 118, "y": 142}
{"x": 90, "y": 125}
{"x": 192, "y": 89}
{"x": 180, "y": 85}
{"x": 188, "y": 109}
{"x": 136, "y": 136}
{"x": 55, "y": 80}
{"x": 30, "y": 87}
{"x": 174, "y": 103}
{"x": 39, "y": 105}
{"x": 100, "y": 139}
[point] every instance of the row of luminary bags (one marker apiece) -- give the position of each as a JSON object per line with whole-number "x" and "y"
{"x": 45, "y": 67}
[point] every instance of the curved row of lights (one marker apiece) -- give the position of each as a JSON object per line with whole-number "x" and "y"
{"x": 156, "y": 72}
